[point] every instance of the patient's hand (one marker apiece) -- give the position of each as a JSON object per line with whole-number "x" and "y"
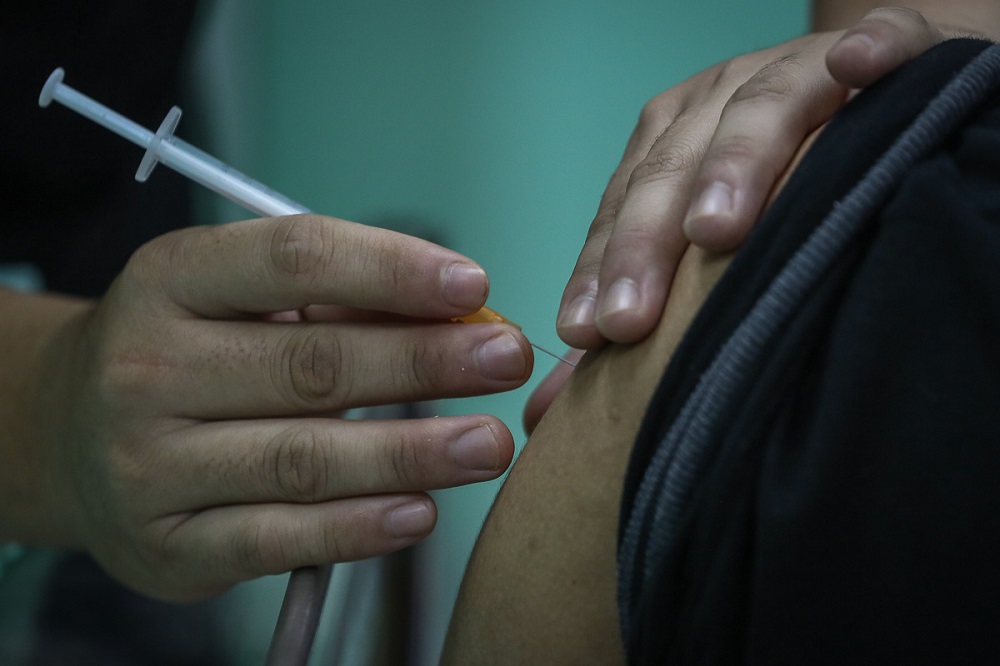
{"x": 706, "y": 153}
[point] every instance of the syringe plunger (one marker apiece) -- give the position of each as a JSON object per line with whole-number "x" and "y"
{"x": 163, "y": 146}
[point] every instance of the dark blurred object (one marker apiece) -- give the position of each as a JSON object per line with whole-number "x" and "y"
{"x": 88, "y": 619}
{"x": 74, "y": 210}
{"x": 72, "y": 206}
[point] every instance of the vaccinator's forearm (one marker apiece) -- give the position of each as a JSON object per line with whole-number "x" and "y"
{"x": 29, "y": 323}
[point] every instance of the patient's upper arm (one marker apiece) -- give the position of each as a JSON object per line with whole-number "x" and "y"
{"x": 540, "y": 586}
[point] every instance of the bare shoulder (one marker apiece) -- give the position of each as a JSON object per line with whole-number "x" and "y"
{"x": 540, "y": 586}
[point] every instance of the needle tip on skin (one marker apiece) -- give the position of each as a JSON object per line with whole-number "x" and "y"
{"x": 553, "y": 355}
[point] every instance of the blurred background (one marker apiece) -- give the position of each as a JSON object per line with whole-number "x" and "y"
{"x": 489, "y": 127}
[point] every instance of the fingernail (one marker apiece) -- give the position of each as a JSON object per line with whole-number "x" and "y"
{"x": 501, "y": 357}
{"x": 623, "y": 295}
{"x": 476, "y": 449}
{"x": 410, "y": 520}
{"x": 716, "y": 199}
{"x": 578, "y": 313}
{"x": 465, "y": 286}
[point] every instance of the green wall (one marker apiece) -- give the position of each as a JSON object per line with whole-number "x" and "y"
{"x": 492, "y": 125}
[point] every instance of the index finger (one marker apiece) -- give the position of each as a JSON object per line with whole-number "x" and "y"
{"x": 287, "y": 263}
{"x": 576, "y": 319}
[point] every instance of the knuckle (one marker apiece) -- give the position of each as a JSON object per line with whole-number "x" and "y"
{"x": 404, "y": 467}
{"x": 423, "y": 366}
{"x": 671, "y": 157}
{"x": 266, "y": 545}
{"x": 734, "y": 70}
{"x": 300, "y": 465}
{"x": 776, "y": 81}
{"x": 313, "y": 365}
{"x": 262, "y": 549}
{"x": 601, "y": 228}
{"x": 166, "y": 249}
{"x": 728, "y": 70}
{"x": 152, "y": 253}
{"x": 611, "y": 202}
{"x": 597, "y": 239}
{"x": 334, "y": 547}
{"x": 126, "y": 375}
{"x": 633, "y": 242}
{"x": 386, "y": 262}
{"x": 301, "y": 248}
{"x": 170, "y": 551}
{"x": 731, "y": 72}
{"x": 730, "y": 150}
{"x": 656, "y": 114}
{"x": 154, "y": 263}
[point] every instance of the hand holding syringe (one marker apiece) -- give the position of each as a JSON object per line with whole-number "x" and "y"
{"x": 163, "y": 147}
{"x": 197, "y": 438}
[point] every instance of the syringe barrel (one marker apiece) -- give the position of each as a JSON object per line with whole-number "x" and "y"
{"x": 175, "y": 153}
{"x": 202, "y": 168}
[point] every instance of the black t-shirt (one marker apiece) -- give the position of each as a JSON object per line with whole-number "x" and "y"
{"x": 72, "y": 206}
{"x": 817, "y": 479}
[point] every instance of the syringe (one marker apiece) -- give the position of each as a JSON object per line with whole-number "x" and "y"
{"x": 163, "y": 147}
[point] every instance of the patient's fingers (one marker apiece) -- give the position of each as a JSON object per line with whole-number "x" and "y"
{"x": 769, "y": 101}
{"x": 705, "y": 158}
{"x": 761, "y": 127}
{"x": 576, "y": 321}
{"x": 647, "y": 241}
{"x": 879, "y": 43}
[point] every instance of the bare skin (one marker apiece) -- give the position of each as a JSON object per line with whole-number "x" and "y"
{"x": 540, "y": 587}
